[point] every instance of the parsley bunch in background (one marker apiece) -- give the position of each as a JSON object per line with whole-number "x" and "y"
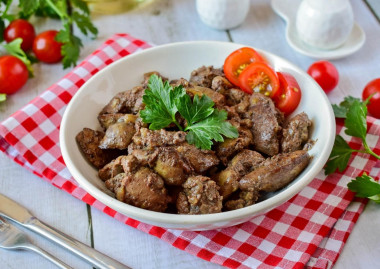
{"x": 354, "y": 113}
{"x": 203, "y": 122}
{"x": 70, "y": 12}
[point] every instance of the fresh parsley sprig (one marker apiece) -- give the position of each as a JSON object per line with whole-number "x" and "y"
{"x": 366, "y": 187}
{"x": 160, "y": 108}
{"x": 354, "y": 111}
{"x": 203, "y": 122}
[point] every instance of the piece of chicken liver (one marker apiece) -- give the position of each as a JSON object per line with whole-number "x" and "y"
{"x": 200, "y": 196}
{"x": 276, "y": 172}
{"x": 295, "y": 133}
{"x": 267, "y": 120}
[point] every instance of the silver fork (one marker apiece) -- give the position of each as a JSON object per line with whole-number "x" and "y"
{"x": 12, "y": 238}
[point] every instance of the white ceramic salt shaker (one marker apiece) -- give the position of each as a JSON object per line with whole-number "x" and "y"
{"x": 324, "y": 24}
{"x": 223, "y": 14}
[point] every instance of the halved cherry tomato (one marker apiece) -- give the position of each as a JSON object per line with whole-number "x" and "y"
{"x": 259, "y": 77}
{"x": 237, "y": 61}
{"x": 290, "y": 93}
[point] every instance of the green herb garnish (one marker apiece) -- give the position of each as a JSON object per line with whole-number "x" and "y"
{"x": 339, "y": 157}
{"x": 159, "y": 99}
{"x": 365, "y": 186}
{"x": 204, "y": 123}
{"x": 340, "y": 110}
{"x": 355, "y": 113}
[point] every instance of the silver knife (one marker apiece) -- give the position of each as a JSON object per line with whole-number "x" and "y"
{"x": 13, "y": 211}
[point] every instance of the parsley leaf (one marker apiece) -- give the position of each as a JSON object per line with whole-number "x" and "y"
{"x": 28, "y": 7}
{"x": 82, "y": 5}
{"x": 365, "y": 186}
{"x": 339, "y": 157}
{"x": 204, "y": 123}
{"x": 84, "y": 24}
{"x": 159, "y": 100}
{"x": 70, "y": 48}
{"x": 356, "y": 120}
{"x": 341, "y": 110}
{"x": 211, "y": 128}
{"x": 197, "y": 110}
{"x": 44, "y": 10}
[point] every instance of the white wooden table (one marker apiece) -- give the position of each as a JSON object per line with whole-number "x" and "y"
{"x": 162, "y": 22}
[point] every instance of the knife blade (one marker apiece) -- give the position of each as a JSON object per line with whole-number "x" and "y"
{"x": 11, "y": 210}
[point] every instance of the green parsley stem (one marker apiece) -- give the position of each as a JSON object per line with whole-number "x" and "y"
{"x": 69, "y": 12}
{"x": 5, "y": 12}
{"x": 56, "y": 9}
{"x": 369, "y": 151}
{"x": 179, "y": 126}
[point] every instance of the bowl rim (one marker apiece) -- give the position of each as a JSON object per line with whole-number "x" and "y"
{"x": 181, "y": 219}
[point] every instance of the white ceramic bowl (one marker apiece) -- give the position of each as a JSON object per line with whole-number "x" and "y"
{"x": 175, "y": 61}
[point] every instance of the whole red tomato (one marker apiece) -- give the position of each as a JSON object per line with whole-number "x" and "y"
{"x": 373, "y": 87}
{"x": 325, "y": 74}
{"x": 20, "y": 29}
{"x": 46, "y": 48}
{"x": 13, "y": 74}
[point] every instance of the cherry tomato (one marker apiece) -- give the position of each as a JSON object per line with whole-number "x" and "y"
{"x": 13, "y": 74}
{"x": 20, "y": 29}
{"x": 290, "y": 96}
{"x": 373, "y": 87}
{"x": 259, "y": 77}
{"x": 325, "y": 74}
{"x": 46, "y": 48}
{"x": 237, "y": 61}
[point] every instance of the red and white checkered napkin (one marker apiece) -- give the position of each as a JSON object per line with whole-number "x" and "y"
{"x": 310, "y": 229}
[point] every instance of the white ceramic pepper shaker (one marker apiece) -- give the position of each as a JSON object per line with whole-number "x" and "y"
{"x": 324, "y": 24}
{"x": 223, "y": 14}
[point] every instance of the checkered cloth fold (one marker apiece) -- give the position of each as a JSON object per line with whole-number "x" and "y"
{"x": 308, "y": 230}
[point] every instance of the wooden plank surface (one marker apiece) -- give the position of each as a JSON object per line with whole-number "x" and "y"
{"x": 163, "y": 22}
